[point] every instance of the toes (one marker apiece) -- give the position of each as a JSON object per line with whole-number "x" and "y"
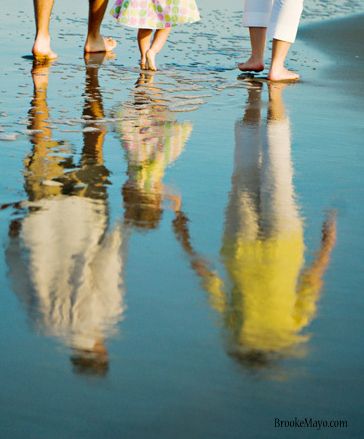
{"x": 110, "y": 44}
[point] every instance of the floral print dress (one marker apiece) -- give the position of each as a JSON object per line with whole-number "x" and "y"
{"x": 155, "y": 14}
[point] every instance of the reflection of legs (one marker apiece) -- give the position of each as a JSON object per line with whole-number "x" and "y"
{"x": 39, "y": 113}
{"x": 42, "y": 42}
{"x": 94, "y": 140}
{"x": 242, "y": 212}
{"x": 43, "y": 163}
{"x": 95, "y": 42}
{"x": 159, "y": 40}
{"x": 279, "y": 208}
{"x": 144, "y": 37}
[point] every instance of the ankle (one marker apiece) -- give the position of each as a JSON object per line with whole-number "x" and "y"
{"x": 276, "y": 66}
{"x": 42, "y": 36}
{"x": 93, "y": 36}
{"x": 256, "y": 58}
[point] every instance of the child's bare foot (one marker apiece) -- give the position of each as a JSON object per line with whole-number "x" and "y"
{"x": 143, "y": 63}
{"x": 252, "y": 65}
{"x": 99, "y": 44}
{"x": 42, "y": 49}
{"x": 282, "y": 74}
{"x": 151, "y": 61}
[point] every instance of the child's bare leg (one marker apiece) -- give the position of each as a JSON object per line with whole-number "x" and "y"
{"x": 95, "y": 42}
{"x": 277, "y": 70}
{"x": 159, "y": 40}
{"x": 42, "y": 42}
{"x": 144, "y": 38}
{"x": 257, "y": 40}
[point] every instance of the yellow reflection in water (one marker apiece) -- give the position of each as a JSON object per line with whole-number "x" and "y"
{"x": 269, "y": 297}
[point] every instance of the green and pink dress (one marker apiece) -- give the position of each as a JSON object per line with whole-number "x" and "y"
{"x": 155, "y": 14}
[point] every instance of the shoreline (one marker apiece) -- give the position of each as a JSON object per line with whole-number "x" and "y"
{"x": 339, "y": 40}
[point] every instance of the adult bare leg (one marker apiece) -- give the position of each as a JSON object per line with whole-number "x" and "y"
{"x": 95, "y": 42}
{"x": 42, "y": 43}
{"x": 255, "y": 63}
{"x": 277, "y": 71}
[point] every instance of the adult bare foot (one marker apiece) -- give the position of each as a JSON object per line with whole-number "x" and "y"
{"x": 42, "y": 49}
{"x": 151, "y": 61}
{"x": 252, "y": 65}
{"x": 99, "y": 44}
{"x": 282, "y": 74}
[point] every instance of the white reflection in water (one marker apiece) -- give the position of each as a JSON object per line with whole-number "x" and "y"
{"x": 66, "y": 263}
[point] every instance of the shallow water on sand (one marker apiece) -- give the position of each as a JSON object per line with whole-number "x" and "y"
{"x": 180, "y": 251}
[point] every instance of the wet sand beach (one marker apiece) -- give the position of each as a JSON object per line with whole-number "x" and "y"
{"x": 345, "y": 50}
{"x": 181, "y": 252}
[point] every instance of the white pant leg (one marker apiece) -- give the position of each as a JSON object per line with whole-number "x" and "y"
{"x": 285, "y": 19}
{"x": 257, "y": 13}
{"x": 281, "y": 16}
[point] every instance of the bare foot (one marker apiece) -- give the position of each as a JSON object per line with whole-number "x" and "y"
{"x": 252, "y": 65}
{"x": 151, "y": 61}
{"x": 42, "y": 49}
{"x": 282, "y": 74}
{"x": 143, "y": 63}
{"x": 99, "y": 44}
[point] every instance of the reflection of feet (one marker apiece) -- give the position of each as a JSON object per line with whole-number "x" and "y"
{"x": 42, "y": 49}
{"x": 99, "y": 44}
{"x": 275, "y": 90}
{"x": 252, "y": 65}
{"x": 40, "y": 72}
{"x": 151, "y": 61}
{"x": 98, "y": 57}
{"x": 145, "y": 78}
{"x": 282, "y": 74}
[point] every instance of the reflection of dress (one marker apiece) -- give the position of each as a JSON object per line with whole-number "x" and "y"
{"x": 153, "y": 140}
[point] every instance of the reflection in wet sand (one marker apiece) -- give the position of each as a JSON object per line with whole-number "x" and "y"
{"x": 270, "y": 299}
{"x": 152, "y": 139}
{"x": 65, "y": 262}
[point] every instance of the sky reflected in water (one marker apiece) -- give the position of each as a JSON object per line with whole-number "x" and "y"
{"x": 181, "y": 251}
